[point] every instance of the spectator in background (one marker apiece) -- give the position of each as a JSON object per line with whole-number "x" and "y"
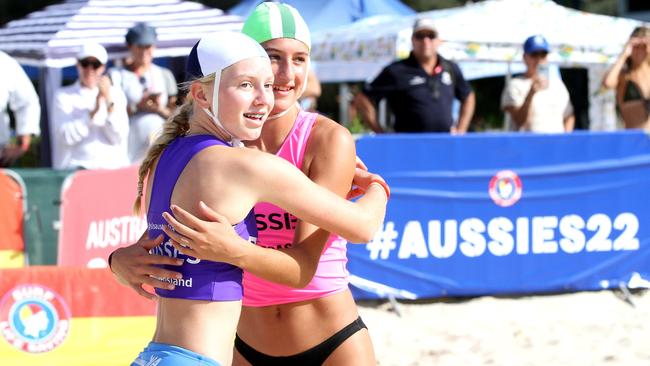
{"x": 534, "y": 101}
{"x": 150, "y": 89}
{"x": 309, "y": 98}
{"x": 630, "y": 76}
{"x": 18, "y": 95}
{"x": 89, "y": 118}
{"x": 420, "y": 90}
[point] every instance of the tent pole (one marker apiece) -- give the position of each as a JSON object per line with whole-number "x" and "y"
{"x": 344, "y": 102}
{"x": 49, "y": 81}
{"x": 507, "y": 121}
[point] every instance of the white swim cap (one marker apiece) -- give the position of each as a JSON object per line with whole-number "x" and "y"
{"x": 215, "y": 52}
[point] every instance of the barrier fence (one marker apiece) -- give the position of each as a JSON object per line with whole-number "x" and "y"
{"x": 12, "y": 199}
{"x": 471, "y": 215}
{"x": 61, "y": 316}
{"x": 495, "y": 214}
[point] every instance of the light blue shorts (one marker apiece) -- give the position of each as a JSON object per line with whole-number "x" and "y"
{"x": 159, "y": 354}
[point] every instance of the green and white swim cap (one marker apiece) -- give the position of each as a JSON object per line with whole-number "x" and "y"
{"x": 272, "y": 20}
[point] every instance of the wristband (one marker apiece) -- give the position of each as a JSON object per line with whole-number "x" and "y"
{"x": 383, "y": 185}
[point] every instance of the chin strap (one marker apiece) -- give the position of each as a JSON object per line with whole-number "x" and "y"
{"x": 234, "y": 142}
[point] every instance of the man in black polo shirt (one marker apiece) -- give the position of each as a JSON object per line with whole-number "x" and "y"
{"x": 420, "y": 90}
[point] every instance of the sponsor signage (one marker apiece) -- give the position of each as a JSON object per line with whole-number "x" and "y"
{"x": 97, "y": 216}
{"x": 507, "y": 213}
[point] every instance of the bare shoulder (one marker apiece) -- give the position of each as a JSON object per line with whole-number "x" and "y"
{"x": 228, "y": 159}
{"x": 327, "y": 133}
{"x": 330, "y": 145}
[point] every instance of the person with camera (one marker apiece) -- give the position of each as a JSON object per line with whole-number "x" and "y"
{"x": 150, "y": 89}
{"x": 535, "y": 101}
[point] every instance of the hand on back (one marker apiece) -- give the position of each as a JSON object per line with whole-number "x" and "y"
{"x": 135, "y": 267}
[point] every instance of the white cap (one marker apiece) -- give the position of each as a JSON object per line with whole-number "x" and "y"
{"x": 215, "y": 52}
{"x": 93, "y": 50}
{"x": 424, "y": 24}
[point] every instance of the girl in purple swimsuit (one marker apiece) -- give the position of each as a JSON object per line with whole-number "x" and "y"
{"x": 200, "y": 160}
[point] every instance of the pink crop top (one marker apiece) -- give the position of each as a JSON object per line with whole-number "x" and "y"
{"x": 276, "y": 228}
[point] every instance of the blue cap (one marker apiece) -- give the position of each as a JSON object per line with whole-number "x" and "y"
{"x": 536, "y": 43}
{"x": 141, "y": 34}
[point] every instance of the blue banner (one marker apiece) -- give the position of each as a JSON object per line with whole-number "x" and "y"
{"x": 507, "y": 213}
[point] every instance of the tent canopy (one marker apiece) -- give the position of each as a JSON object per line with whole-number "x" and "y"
{"x": 51, "y": 37}
{"x": 327, "y": 14}
{"x": 492, "y": 30}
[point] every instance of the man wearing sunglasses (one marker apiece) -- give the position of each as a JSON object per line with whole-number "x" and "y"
{"x": 420, "y": 90}
{"x": 89, "y": 120}
{"x": 536, "y": 101}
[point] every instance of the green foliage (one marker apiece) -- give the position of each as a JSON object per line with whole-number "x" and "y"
{"x": 357, "y": 127}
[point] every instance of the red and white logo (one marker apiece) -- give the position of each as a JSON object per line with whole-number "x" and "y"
{"x": 505, "y": 188}
{"x": 34, "y": 318}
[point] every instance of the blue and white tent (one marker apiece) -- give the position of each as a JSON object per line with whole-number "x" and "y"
{"x": 50, "y": 37}
{"x": 326, "y": 14}
{"x": 488, "y": 31}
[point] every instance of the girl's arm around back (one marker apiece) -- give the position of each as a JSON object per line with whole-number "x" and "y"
{"x": 274, "y": 180}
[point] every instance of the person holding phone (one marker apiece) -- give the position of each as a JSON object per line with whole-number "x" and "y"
{"x": 89, "y": 118}
{"x": 535, "y": 101}
{"x": 150, "y": 89}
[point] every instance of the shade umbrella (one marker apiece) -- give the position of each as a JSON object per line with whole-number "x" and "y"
{"x": 50, "y": 37}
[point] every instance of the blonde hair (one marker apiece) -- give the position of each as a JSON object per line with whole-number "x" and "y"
{"x": 177, "y": 125}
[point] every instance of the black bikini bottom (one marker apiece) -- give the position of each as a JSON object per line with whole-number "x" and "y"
{"x": 311, "y": 357}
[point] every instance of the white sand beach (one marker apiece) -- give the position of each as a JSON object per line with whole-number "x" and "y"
{"x": 576, "y": 329}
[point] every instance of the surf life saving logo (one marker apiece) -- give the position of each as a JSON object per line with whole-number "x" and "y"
{"x": 33, "y": 318}
{"x": 505, "y": 188}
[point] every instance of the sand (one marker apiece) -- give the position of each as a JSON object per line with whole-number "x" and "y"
{"x": 585, "y": 328}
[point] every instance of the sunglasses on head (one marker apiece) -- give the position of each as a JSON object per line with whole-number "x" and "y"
{"x": 93, "y": 63}
{"x": 421, "y": 36}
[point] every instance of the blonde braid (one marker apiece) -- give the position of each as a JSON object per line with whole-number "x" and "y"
{"x": 177, "y": 125}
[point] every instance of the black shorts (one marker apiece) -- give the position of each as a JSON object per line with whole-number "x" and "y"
{"x": 311, "y": 357}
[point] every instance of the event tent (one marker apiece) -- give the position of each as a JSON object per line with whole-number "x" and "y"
{"x": 327, "y": 14}
{"x": 50, "y": 37}
{"x": 491, "y": 30}
{"x": 486, "y": 39}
